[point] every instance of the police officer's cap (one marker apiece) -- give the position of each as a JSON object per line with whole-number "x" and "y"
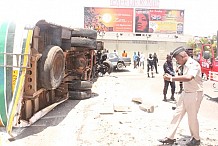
{"x": 177, "y": 51}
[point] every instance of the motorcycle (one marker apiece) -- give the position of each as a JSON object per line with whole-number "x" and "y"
{"x": 102, "y": 65}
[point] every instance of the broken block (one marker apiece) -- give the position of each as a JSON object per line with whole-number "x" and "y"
{"x": 137, "y": 99}
{"x": 147, "y": 107}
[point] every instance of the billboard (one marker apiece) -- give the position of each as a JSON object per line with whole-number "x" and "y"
{"x": 138, "y": 20}
{"x": 109, "y": 19}
{"x": 159, "y": 21}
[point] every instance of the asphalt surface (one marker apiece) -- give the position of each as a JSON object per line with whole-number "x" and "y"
{"x": 93, "y": 122}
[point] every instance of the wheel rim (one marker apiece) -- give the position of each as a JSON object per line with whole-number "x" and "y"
{"x": 120, "y": 66}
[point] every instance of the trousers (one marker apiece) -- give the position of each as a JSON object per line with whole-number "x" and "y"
{"x": 188, "y": 103}
{"x": 166, "y": 85}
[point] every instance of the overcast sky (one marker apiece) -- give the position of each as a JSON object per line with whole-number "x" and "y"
{"x": 201, "y": 16}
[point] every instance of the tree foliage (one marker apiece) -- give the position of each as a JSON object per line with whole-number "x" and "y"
{"x": 197, "y": 42}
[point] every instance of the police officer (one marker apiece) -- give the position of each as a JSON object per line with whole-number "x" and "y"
{"x": 168, "y": 69}
{"x": 150, "y": 65}
{"x": 189, "y": 100}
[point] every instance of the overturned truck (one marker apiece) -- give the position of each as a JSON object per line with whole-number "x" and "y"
{"x": 41, "y": 66}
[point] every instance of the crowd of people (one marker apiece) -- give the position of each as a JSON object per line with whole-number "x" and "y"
{"x": 152, "y": 62}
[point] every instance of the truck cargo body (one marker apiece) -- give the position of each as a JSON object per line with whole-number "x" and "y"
{"x": 38, "y": 64}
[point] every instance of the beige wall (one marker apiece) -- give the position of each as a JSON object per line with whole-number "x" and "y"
{"x": 162, "y": 48}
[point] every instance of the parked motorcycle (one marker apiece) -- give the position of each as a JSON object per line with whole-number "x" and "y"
{"x": 102, "y": 65}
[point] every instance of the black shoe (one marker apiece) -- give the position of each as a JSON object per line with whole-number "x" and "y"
{"x": 173, "y": 108}
{"x": 193, "y": 142}
{"x": 167, "y": 141}
{"x": 172, "y": 98}
{"x": 164, "y": 99}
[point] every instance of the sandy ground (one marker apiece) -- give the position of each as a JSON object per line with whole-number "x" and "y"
{"x": 93, "y": 122}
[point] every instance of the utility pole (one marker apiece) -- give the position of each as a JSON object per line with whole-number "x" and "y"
{"x": 117, "y": 35}
{"x": 147, "y": 36}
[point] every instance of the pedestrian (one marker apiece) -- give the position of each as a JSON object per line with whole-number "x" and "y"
{"x": 155, "y": 62}
{"x": 115, "y": 51}
{"x": 135, "y": 59}
{"x": 142, "y": 60}
{"x": 168, "y": 69}
{"x": 124, "y": 54}
{"x": 189, "y": 100}
{"x": 150, "y": 65}
{"x": 138, "y": 63}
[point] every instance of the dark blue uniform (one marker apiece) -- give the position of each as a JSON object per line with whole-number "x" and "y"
{"x": 168, "y": 68}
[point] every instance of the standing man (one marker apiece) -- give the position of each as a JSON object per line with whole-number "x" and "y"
{"x": 124, "y": 54}
{"x": 190, "y": 99}
{"x": 168, "y": 69}
{"x": 142, "y": 60}
{"x": 150, "y": 66}
{"x": 155, "y": 62}
{"x": 135, "y": 59}
{"x": 138, "y": 63}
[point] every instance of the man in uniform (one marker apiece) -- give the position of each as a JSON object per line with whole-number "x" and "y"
{"x": 190, "y": 99}
{"x": 150, "y": 65}
{"x": 168, "y": 69}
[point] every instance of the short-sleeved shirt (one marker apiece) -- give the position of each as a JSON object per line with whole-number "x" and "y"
{"x": 193, "y": 68}
{"x": 124, "y": 54}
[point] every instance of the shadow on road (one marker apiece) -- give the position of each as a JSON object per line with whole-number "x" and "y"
{"x": 53, "y": 118}
{"x": 215, "y": 99}
{"x": 124, "y": 70}
{"x": 179, "y": 142}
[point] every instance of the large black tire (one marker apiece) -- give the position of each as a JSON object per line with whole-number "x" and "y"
{"x": 109, "y": 66}
{"x": 51, "y": 67}
{"x": 83, "y": 42}
{"x": 82, "y": 32}
{"x": 80, "y": 85}
{"x": 80, "y": 95}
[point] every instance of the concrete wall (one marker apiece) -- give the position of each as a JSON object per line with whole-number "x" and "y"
{"x": 161, "y": 48}
{"x": 162, "y": 44}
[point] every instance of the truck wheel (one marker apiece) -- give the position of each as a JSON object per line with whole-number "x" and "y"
{"x": 120, "y": 66}
{"x": 109, "y": 66}
{"x": 80, "y": 85}
{"x": 82, "y": 32}
{"x": 83, "y": 42}
{"x": 51, "y": 67}
{"x": 80, "y": 95}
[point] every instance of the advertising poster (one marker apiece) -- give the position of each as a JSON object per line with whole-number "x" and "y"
{"x": 159, "y": 21}
{"x": 109, "y": 19}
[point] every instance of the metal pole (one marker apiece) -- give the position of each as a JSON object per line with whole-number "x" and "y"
{"x": 147, "y": 45}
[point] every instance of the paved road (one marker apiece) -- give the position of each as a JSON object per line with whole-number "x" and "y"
{"x": 93, "y": 122}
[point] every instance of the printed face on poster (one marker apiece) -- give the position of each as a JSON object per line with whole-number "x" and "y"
{"x": 159, "y": 21}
